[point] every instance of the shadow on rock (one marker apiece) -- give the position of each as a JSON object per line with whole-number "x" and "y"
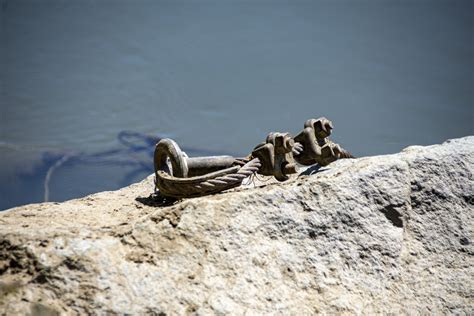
{"x": 157, "y": 200}
{"x": 312, "y": 170}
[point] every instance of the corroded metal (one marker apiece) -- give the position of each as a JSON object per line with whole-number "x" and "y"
{"x": 179, "y": 176}
{"x": 276, "y": 156}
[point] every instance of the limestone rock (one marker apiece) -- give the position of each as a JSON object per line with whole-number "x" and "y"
{"x": 385, "y": 234}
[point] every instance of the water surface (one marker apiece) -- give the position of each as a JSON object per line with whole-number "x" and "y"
{"x": 217, "y": 76}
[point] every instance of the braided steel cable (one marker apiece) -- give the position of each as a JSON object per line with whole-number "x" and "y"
{"x": 297, "y": 149}
{"x": 207, "y": 184}
{"x": 218, "y": 181}
{"x": 345, "y": 154}
{"x": 340, "y": 152}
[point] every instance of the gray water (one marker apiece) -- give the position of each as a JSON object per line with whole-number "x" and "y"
{"x": 217, "y": 76}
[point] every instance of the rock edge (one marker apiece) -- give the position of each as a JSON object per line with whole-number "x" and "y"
{"x": 384, "y": 234}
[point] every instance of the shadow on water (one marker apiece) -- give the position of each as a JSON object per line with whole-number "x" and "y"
{"x": 58, "y": 176}
{"x": 133, "y": 144}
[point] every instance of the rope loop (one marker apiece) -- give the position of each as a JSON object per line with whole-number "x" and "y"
{"x": 210, "y": 183}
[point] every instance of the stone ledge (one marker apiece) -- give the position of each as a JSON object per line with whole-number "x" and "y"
{"x": 384, "y": 234}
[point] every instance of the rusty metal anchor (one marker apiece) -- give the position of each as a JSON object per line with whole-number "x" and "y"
{"x": 178, "y": 176}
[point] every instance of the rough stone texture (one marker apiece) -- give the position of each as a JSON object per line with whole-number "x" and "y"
{"x": 386, "y": 234}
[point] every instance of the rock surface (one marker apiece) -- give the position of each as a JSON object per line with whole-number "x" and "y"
{"x": 386, "y": 234}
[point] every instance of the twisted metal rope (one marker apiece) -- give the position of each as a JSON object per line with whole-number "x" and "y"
{"x": 342, "y": 153}
{"x": 207, "y": 184}
{"x": 218, "y": 181}
{"x": 345, "y": 154}
{"x": 297, "y": 149}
